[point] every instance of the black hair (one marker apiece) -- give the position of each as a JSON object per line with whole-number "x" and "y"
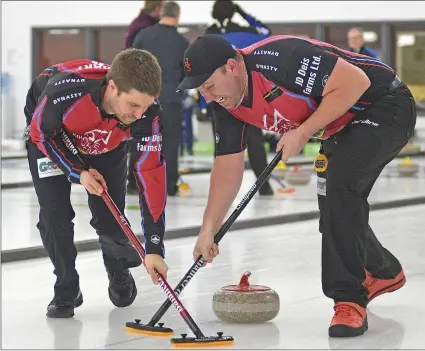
{"x": 222, "y": 10}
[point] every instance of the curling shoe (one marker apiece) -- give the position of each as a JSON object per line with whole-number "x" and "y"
{"x": 64, "y": 308}
{"x": 377, "y": 286}
{"x": 349, "y": 320}
{"x": 122, "y": 288}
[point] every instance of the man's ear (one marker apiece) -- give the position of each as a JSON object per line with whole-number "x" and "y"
{"x": 113, "y": 87}
{"x": 232, "y": 66}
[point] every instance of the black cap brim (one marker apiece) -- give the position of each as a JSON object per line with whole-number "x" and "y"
{"x": 193, "y": 82}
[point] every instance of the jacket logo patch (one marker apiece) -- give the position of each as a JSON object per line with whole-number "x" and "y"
{"x": 187, "y": 65}
{"x": 273, "y": 94}
{"x": 94, "y": 142}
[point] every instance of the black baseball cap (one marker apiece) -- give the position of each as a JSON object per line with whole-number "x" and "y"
{"x": 203, "y": 57}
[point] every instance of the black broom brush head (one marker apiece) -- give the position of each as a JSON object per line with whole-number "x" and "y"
{"x": 147, "y": 329}
{"x": 206, "y": 341}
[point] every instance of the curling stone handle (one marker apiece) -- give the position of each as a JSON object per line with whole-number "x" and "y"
{"x": 244, "y": 283}
{"x": 297, "y": 169}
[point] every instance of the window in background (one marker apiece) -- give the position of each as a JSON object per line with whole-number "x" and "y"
{"x": 192, "y": 32}
{"x": 111, "y": 40}
{"x": 409, "y": 54}
{"x": 59, "y": 45}
{"x": 410, "y": 62}
{"x": 336, "y": 34}
{"x": 305, "y": 30}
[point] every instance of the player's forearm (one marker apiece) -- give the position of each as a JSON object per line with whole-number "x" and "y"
{"x": 151, "y": 183}
{"x": 45, "y": 131}
{"x": 333, "y": 105}
{"x": 226, "y": 179}
{"x": 62, "y": 153}
{"x": 339, "y": 99}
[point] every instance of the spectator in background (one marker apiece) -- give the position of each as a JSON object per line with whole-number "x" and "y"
{"x": 189, "y": 102}
{"x": 240, "y": 37}
{"x": 168, "y": 46}
{"x": 148, "y": 16}
{"x": 357, "y": 44}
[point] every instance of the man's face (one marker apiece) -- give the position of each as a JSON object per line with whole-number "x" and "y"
{"x": 355, "y": 39}
{"x": 156, "y": 13}
{"x": 225, "y": 86}
{"x": 129, "y": 107}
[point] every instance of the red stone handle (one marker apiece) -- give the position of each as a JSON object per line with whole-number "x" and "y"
{"x": 244, "y": 283}
{"x": 297, "y": 169}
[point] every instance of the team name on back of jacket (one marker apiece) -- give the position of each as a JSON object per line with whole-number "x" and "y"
{"x": 93, "y": 65}
{"x": 70, "y": 80}
{"x": 266, "y": 52}
{"x": 83, "y": 67}
{"x": 67, "y": 97}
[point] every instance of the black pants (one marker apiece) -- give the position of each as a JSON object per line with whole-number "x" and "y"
{"x": 357, "y": 155}
{"x": 56, "y": 218}
{"x": 257, "y": 156}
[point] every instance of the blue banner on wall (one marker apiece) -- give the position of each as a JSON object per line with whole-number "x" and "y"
{"x": 5, "y": 83}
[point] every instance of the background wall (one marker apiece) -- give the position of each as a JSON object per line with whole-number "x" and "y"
{"x": 18, "y": 18}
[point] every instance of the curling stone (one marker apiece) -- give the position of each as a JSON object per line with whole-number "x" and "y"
{"x": 245, "y": 303}
{"x": 407, "y": 168}
{"x": 281, "y": 170}
{"x": 298, "y": 177}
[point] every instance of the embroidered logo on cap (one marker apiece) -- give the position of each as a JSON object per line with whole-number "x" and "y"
{"x": 187, "y": 65}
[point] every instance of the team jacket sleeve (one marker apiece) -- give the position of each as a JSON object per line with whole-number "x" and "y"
{"x": 230, "y": 132}
{"x": 260, "y": 27}
{"x": 303, "y": 67}
{"x": 151, "y": 179}
{"x": 46, "y": 123}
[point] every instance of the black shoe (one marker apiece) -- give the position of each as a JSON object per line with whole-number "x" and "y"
{"x": 266, "y": 190}
{"x": 132, "y": 190}
{"x": 122, "y": 288}
{"x": 59, "y": 308}
{"x": 173, "y": 191}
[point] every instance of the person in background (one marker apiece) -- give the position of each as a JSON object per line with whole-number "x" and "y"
{"x": 357, "y": 44}
{"x": 189, "y": 102}
{"x": 147, "y": 17}
{"x": 168, "y": 46}
{"x": 240, "y": 37}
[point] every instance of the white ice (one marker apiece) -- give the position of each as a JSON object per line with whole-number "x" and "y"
{"x": 285, "y": 257}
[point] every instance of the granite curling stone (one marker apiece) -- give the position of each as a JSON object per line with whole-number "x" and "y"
{"x": 245, "y": 303}
{"x": 407, "y": 168}
{"x": 298, "y": 177}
